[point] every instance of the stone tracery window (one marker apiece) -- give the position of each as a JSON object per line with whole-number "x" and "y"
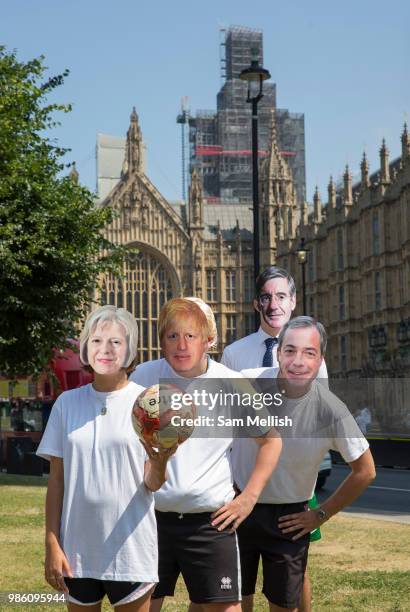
{"x": 143, "y": 289}
{"x": 103, "y": 293}
{"x": 211, "y": 285}
{"x": 230, "y": 285}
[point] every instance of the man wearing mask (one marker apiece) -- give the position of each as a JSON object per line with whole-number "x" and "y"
{"x": 278, "y": 528}
{"x": 275, "y": 300}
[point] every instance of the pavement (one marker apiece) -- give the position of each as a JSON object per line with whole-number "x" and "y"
{"x": 386, "y": 499}
{"x": 399, "y": 517}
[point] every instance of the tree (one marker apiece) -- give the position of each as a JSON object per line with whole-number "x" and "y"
{"x": 51, "y": 244}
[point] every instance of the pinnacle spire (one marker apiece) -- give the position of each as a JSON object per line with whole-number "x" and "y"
{"x": 278, "y": 168}
{"x": 304, "y": 217}
{"x": 331, "y": 190}
{"x": 219, "y": 234}
{"x": 405, "y": 143}
{"x": 133, "y": 153}
{"x": 364, "y": 167}
{"x": 195, "y": 198}
{"x": 347, "y": 187}
{"x": 195, "y": 187}
{"x": 317, "y": 206}
{"x": 384, "y": 163}
{"x": 273, "y": 133}
{"x": 276, "y": 177}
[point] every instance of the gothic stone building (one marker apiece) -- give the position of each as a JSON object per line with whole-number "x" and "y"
{"x": 358, "y": 259}
{"x": 358, "y": 268}
{"x": 195, "y": 249}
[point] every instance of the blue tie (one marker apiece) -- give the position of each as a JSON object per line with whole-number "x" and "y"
{"x": 267, "y": 358}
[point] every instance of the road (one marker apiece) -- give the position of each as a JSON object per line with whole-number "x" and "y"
{"x": 388, "y": 497}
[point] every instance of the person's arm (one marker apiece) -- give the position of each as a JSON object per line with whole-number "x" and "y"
{"x": 225, "y": 360}
{"x": 56, "y": 562}
{"x": 234, "y": 512}
{"x": 362, "y": 474}
{"x": 155, "y": 468}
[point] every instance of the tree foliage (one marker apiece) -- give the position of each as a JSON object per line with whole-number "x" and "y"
{"x": 51, "y": 243}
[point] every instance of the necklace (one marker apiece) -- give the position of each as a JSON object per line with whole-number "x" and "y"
{"x": 103, "y": 403}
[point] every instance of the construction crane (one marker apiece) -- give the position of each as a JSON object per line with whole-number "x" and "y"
{"x": 183, "y": 119}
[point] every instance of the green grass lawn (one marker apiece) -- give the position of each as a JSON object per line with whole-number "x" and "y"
{"x": 359, "y": 565}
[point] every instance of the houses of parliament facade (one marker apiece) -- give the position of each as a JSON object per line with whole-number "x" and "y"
{"x": 357, "y": 266}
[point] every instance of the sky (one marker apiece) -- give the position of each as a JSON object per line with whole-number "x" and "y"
{"x": 345, "y": 65}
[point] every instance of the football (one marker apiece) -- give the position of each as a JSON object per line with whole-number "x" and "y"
{"x": 153, "y": 416}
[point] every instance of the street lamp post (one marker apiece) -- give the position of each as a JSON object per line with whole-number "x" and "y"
{"x": 255, "y": 75}
{"x": 302, "y": 257}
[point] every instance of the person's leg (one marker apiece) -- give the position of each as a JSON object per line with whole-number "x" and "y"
{"x": 249, "y": 554}
{"x": 306, "y": 601}
{"x": 210, "y": 565}
{"x": 85, "y": 594}
{"x": 215, "y": 607}
{"x": 168, "y": 526}
{"x": 156, "y": 604}
{"x": 283, "y": 560}
{"x": 283, "y": 574}
{"x": 222, "y": 607}
{"x": 73, "y": 607}
{"x": 142, "y": 604}
{"x": 247, "y": 603}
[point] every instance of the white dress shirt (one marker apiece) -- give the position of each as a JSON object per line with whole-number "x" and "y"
{"x": 248, "y": 353}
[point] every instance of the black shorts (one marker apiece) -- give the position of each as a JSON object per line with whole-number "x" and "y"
{"x": 283, "y": 560}
{"x": 88, "y": 591}
{"x": 208, "y": 559}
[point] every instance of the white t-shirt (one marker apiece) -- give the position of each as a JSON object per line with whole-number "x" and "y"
{"x": 108, "y": 528}
{"x": 248, "y": 352}
{"x": 295, "y": 476}
{"x": 200, "y": 473}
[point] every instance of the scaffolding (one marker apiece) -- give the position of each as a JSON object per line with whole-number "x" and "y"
{"x": 183, "y": 120}
{"x": 202, "y": 137}
{"x": 220, "y": 142}
{"x": 241, "y": 46}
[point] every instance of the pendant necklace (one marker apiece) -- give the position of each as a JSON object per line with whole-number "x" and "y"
{"x": 103, "y": 403}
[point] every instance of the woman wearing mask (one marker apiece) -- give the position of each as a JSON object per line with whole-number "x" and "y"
{"x": 100, "y": 523}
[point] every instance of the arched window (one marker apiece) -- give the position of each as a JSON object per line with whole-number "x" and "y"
{"x": 146, "y": 285}
{"x": 120, "y": 295}
{"x": 376, "y": 233}
{"x": 129, "y": 301}
{"x": 103, "y": 295}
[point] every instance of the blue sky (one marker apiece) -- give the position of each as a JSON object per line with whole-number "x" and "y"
{"x": 345, "y": 65}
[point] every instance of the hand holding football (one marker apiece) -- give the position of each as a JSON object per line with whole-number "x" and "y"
{"x": 153, "y": 416}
